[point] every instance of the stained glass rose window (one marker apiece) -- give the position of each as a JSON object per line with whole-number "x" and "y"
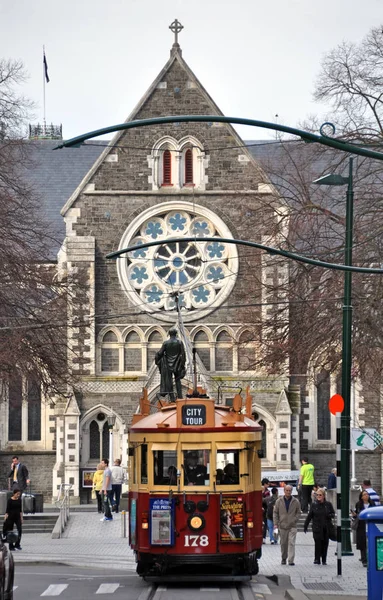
{"x": 203, "y": 273}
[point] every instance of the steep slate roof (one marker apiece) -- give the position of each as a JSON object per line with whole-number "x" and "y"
{"x": 55, "y": 174}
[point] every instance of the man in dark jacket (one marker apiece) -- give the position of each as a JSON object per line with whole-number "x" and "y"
{"x": 18, "y": 475}
{"x": 194, "y": 473}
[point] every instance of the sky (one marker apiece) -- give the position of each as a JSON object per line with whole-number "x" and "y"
{"x": 256, "y": 59}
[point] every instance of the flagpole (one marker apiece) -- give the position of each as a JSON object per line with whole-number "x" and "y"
{"x": 44, "y": 121}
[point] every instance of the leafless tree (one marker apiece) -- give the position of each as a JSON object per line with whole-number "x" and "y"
{"x": 32, "y": 298}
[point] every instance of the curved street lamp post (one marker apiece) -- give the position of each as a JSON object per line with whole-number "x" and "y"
{"x": 335, "y": 179}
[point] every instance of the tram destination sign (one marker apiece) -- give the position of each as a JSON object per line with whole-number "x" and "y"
{"x": 194, "y": 414}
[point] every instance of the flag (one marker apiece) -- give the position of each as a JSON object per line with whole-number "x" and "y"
{"x": 45, "y": 67}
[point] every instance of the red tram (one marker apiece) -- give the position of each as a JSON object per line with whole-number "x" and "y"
{"x": 195, "y": 494}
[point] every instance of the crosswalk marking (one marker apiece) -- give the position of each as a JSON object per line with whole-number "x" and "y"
{"x": 107, "y": 588}
{"x": 261, "y": 588}
{"x": 55, "y": 589}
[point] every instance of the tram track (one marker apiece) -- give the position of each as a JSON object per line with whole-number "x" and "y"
{"x": 174, "y": 591}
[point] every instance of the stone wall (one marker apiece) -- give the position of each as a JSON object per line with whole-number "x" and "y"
{"x": 40, "y": 466}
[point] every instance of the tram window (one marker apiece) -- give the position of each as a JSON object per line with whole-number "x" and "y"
{"x": 144, "y": 463}
{"x": 196, "y": 467}
{"x": 227, "y": 467}
{"x": 164, "y": 466}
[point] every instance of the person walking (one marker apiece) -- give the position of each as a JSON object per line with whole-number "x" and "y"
{"x": 270, "y": 504}
{"x": 265, "y": 494}
{"x": 106, "y": 491}
{"x": 118, "y": 478}
{"x": 306, "y": 483}
{"x": 286, "y": 514}
{"x": 321, "y": 513}
{"x": 331, "y": 482}
{"x": 361, "y": 538}
{"x": 13, "y": 516}
{"x": 18, "y": 476}
{"x": 98, "y": 479}
{"x": 366, "y": 485}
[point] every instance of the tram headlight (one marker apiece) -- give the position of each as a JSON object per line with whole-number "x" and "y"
{"x": 196, "y": 522}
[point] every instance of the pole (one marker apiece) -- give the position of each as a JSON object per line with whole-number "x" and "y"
{"x": 110, "y": 446}
{"x": 346, "y": 372}
{"x": 44, "y": 121}
{"x": 338, "y": 497}
{"x": 353, "y": 477}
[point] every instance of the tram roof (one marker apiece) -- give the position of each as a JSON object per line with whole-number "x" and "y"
{"x": 167, "y": 419}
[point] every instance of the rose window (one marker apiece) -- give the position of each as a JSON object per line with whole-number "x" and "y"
{"x": 202, "y": 273}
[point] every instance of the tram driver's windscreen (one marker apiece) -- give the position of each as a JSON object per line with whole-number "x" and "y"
{"x": 165, "y": 467}
{"x": 227, "y": 467}
{"x": 196, "y": 467}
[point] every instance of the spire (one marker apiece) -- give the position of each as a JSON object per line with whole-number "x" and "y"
{"x": 176, "y": 27}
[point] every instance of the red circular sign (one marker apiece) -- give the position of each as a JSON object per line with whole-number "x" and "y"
{"x": 336, "y": 404}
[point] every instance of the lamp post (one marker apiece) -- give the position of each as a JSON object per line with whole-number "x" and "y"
{"x": 334, "y": 179}
{"x": 111, "y": 421}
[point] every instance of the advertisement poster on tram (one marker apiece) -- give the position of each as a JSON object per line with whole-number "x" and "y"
{"x": 161, "y": 521}
{"x": 232, "y": 520}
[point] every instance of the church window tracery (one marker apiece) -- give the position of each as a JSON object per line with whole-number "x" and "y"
{"x": 202, "y": 273}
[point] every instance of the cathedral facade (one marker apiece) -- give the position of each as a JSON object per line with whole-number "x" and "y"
{"x": 159, "y": 183}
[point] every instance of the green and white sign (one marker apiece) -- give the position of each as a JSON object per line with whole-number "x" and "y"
{"x": 365, "y": 439}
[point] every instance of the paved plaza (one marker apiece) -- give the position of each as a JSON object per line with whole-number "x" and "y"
{"x": 90, "y": 543}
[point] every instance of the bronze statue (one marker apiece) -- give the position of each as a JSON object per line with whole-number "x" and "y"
{"x": 170, "y": 360}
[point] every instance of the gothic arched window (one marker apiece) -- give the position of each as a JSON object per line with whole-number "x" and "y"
{"x": 188, "y": 167}
{"x": 110, "y": 354}
{"x": 15, "y": 403}
{"x": 246, "y": 352}
{"x": 202, "y": 345}
{"x": 94, "y": 441}
{"x": 224, "y": 352}
{"x": 167, "y": 168}
{"x": 34, "y": 410}
{"x": 132, "y": 352}
{"x": 323, "y": 389}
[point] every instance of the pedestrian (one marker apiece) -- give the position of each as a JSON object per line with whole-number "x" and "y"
{"x": 98, "y": 478}
{"x": 13, "y": 516}
{"x": 230, "y": 475}
{"x": 195, "y": 473}
{"x": 314, "y": 493}
{"x": 287, "y": 511}
{"x": 361, "y": 538}
{"x": 366, "y": 485}
{"x": 18, "y": 476}
{"x": 331, "y": 482}
{"x": 321, "y": 515}
{"x": 265, "y": 494}
{"x": 107, "y": 491}
{"x": 306, "y": 482}
{"x": 270, "y": 504}
{"x": 118, "y": 478}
